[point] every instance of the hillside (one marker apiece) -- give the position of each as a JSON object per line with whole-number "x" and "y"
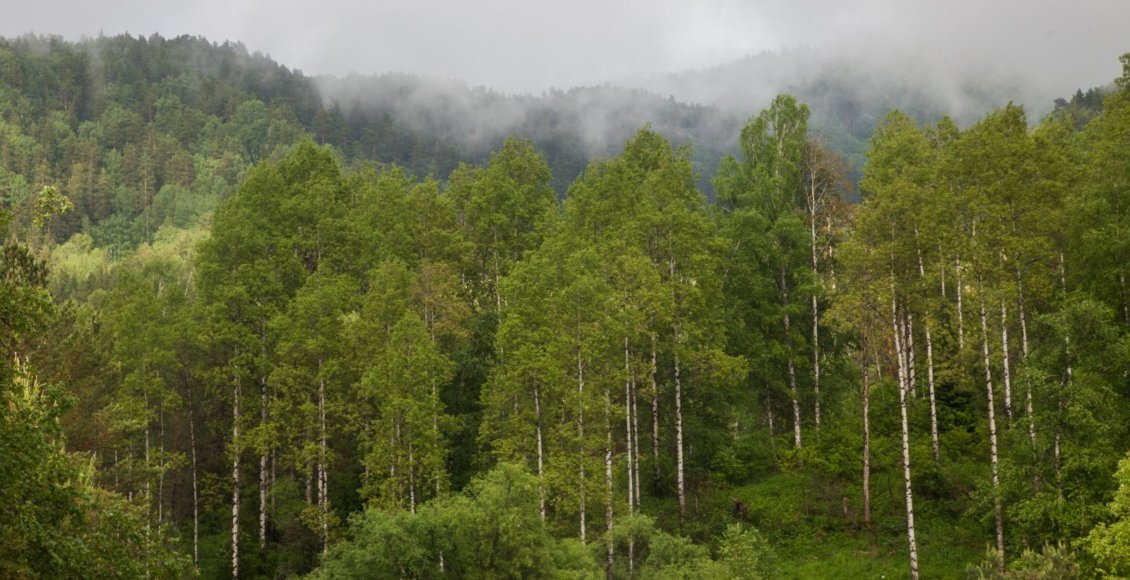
{"x": 140, "y": 130}
{"x": 259, "y": 325}
{"x": 849, "y": 93}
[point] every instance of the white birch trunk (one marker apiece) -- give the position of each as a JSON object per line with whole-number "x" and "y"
{"x": 793, "y": 392}
{"x": 769, "y": 420}
{"x": 608, "y": 498}
{"x": 263, "y": 473}
{"x": 936, "y": 447}
{"x": 1007, "y": 374}
{"x": 815, "y": 306}
{"x": 942, "y": 270}
{"x": 654, "y": 418}
{"x": 912, "y": 544}
{"x": 411, "y": 475}
{"x": 628, "y": 427}
{"x": 900, "y": 351}
{"x": 679, "y": 473}
{"x": 816, "y": 355}
{"x": 541, "y": 453}
{"x": 581, "y": 438}
{"x": 960, "y": 310}
{"x": 1024, "y": 357}
{"x": 148, "y": 495}
{"x": 911, "y": 371}
{"x": 435, "y": 416}
{"x": 323, "y": 500}
{"x": 195, "y": 488}
{"x": 1070, "y": 376}
{"x": 997, "y": 510}
{"x": 933, "y": 399}
{"x": 235, "y": 480}
{"x": 866, "y": 441}
{"x": 679, "y": 435}
{"x": 903, "y": 382}
{"x": 900, "y": 360}
{"x": 395, "y": 439}
{"x": 636, "y": 440}
{"x": 160, "y": 468}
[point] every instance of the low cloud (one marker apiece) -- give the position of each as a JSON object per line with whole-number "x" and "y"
{"x": 530, "y": 46}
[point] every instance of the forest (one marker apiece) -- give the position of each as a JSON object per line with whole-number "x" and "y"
{"x": 252, "y": 332}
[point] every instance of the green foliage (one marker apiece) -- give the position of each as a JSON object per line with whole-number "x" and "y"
{"x": 492, "y": 531}
{"x": 1109, "y": 543}
{"x": 1052, "y": 562}
{"x": 48, "y": 204}
{"x": 58, "y": 523}
{"x": 745, "y": 553}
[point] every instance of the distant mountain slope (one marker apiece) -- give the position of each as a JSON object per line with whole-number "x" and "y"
{"x": 139, "y": 132}
{"x": 466, "y": 124}
{"x": 143, "y": 131}
{"x": 848, "y": 94}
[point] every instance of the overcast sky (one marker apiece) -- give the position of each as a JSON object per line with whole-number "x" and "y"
{"x": 530, "y": 45}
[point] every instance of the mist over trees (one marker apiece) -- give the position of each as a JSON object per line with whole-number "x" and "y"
{"x": 415, "y": 329}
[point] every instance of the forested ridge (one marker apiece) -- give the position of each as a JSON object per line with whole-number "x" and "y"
{"x": 251, "y": 334}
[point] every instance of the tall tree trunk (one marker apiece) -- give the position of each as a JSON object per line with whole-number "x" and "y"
{"x": 636, "y": 440}
{"x": 816, "y": 359}
{"x": 997, "y": 510}
{"x": 497, "y": 274}
{"x": 435, "y": 415}
{"x": 148, "y": 495}
{"x": 960, "y": 310}
{"x": 797, "y": 442}
{"x": 160, "y": 468}
{"x": 608, "y": 498}
{"x": 912, "y": 544}
{"x": 900, "y": 346}
{"x": 942, "y": 270}
{"x": 866, "y": 439}
{"x": 1005, "y": 368}
{"x": 679, "y": 473}
{"x": 935, "y": 445}
{"x": 654, "y": 418}
{"x": 1068, "y": 377}
{"x": 263, "y": 457}
{"x": 812, "y": 201}
{"x": 930, "y": 358}
{"x": 411, "y": 474}
{"x": 634, "y": 458}
{"x": 793, "y": 392}
{"x": 195, "y": 487}
{"x": 581, "y": 438}
{"x": 323, "y": 500}
{"x": 680, "y": 483}
{"x": 903, "y": 382}
{"x": 628, "y": 426}
{"x": 235, "y": 479}
{"x": 896, "y": 326}
{"x": 396, "y": 440}
{"x": 769, "y": 420}
{"x": 541, "y": 452}
{"x": 911, "y": 371}
{"x": 274, "y": 475}
{"x": 263, "y": 477}
{"x": 1024, "y": 357}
